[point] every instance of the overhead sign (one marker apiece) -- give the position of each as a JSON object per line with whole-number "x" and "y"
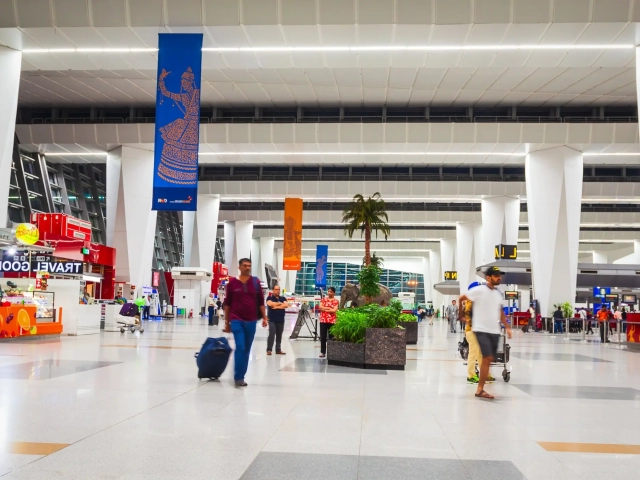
{"x": 600, "y": 292}
{"x": 507, "y": 252}
{"x": 611, "y": 297}
{"x": 451, "y": 275}
{"x": 629, "y": 299}
{"x": 19, "y": 263}
{"x": 510, "y": 295}
{"x": 322, "y": 253}
{"x": 175, "y": 176}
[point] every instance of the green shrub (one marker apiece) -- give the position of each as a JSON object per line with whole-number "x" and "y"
{"x": 350, "y": 326}
{"x": 384, "y": 317}
{"x": 407, "y": 317}
{"x": 396, "y": 305}
{"x": 369, "y": 277}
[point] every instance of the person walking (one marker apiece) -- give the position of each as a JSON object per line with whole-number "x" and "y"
{"x": 277, "y": 305}
{"x": 328, "y": 308}
{"x": 146, "y": 310}
{"x": 452, "y": 316}
{"x": 243, "y": 307}
{"x": 557, "y": 320}
{"x": 532, "y": 319}
{"x": 487, "y": 316}
{"x": 474, "y": 357}
{"x": 603, "y": 317}
{"x": 210, "y": 308}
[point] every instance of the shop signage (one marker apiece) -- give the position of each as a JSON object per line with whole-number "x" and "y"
{"x": 507, "y": 252}
{"x": 600, "y": 292}
{"x": 629, "y": 299}
{"x": 510, "y": 295}
{"x": 19, "y": 263}
{"x": 156, "y": 279}
{"x": 292, "y": 244}
{"x": 611, "y": 297}
{"x": 27, "y": 234}
{"x": 451, "y": 275}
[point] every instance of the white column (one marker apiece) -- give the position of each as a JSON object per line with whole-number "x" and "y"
{"x": 500, "y": 222}
{"x": 10, "y": 62}
{"x": 290, "y": 285}
{"x": 436, "y": 277}
{"x": 266, "y": 254}
{"x": 426, "y": 273}
{"x": 467, "y": 236}
{"x": 204, "y": 232}
{"x": 600, "y": 257}
{"x": 447, "y": 256}
{"x": 280, "y": 263}
{"x": 255, "y": 259}
{"x": 525, "y": 299}
{"x": 134, "y": 226}
{"x": 554, "y": 194}
{"x": 237, "y": 243}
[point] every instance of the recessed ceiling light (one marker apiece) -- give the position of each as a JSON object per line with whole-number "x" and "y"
{"x": 75, "y": 154}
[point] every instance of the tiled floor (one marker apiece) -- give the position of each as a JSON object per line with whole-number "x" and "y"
{"x": 129, "y": 407}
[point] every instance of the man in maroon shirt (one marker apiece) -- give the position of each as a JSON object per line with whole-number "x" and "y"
{"x": 243, "y": 307}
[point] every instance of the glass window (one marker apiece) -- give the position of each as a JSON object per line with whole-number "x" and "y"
{"x": 58, "y": 208}
{"x": 94, "y": 221}
{"x": 28, "y": 166}
{"x": 96, "y": 235}
{"x": 73, "y": 200}
{"x": 70, "y": 184}
{"x": 86, "y": 191}
{"x": 102, "y": 197}
{"x": 56, "y": 194}
{"x": 53, "y": 178}
{"x": 32, "y": 185}
{"x": 16, "y": 214}
{"x": 14, "y": 196}
{"x": 97, "y": 175}
{"x": 14, "y": 179}
{"x": 91, "y": 206}
{"x": 36, "y": 203}
{"x": 160, "y": 265}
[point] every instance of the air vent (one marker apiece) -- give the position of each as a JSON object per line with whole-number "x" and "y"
{"x": 589, "y": 272}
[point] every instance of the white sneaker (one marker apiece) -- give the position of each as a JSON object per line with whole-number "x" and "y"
{"x": 322, "y": 355}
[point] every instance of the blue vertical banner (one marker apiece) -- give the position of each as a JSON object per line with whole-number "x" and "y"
{"x": 175, "y": 178}
{"x": 322, "y": 253}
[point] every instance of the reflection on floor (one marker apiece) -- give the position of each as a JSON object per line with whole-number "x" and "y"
{"x": 129, "y": 407}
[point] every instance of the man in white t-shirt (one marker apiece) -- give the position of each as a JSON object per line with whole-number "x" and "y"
{"x": 487, "y": 316}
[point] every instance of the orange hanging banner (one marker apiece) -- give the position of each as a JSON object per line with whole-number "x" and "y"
{"x": 292, "y": 234}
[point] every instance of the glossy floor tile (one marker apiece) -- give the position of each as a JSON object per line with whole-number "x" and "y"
{"x": 557, "y": 357}
{"x": 46, "y": 369}
{"x": 129, "y": 407}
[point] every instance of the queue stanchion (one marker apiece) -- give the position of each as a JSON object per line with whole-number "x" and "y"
{"x": 619, "y": 328}
{"x": 584, "y": 329}
{"x": 566, "y": 326}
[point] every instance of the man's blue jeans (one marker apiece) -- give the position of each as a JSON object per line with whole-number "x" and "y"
{"x": 243, "y": 333}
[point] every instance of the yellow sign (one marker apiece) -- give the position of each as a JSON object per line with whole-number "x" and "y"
{"x": 292, "y": 234}
{"x": 508, "y": 252}
{"x": 451, "y": 275}
{"x": 27, "y": 234}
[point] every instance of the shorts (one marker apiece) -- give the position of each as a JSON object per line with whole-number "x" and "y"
{"x": 488, "y": 343}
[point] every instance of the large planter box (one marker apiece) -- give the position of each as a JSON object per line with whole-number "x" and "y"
{"x": 345, "y": 354}
{"x": 411, "y": 329}
{"x": 385, "y": 348}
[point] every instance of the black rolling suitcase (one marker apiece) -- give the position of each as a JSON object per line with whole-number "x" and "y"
{"x": 213, "y": 358}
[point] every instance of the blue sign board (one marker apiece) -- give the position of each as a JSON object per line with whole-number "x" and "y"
{"x": 322, "y": 253}
{"x": 600, "y": 292}
{"x": 175, "y": 177}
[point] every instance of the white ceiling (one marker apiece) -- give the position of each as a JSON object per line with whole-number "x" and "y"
{"x": 596, "y": 77}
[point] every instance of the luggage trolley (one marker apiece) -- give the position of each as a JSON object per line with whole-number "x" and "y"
{"x": 502, "y": 355}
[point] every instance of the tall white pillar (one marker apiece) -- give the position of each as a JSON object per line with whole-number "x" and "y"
{"x": 266, "y": 254}
{"x": 205, "y": 232}
{"x": 255, "y": 259}
{"x": 10, "y": 62}
{"x": 436, "y": 277}
{"x": 426, "y": 273}
{"x": 280, "y": 263}
{"x": 525, "y": 299}
{"x": 500, "y": 222}
{"x": 554, "y": 194}
{"x": 447, "y": 256}
{"x": 134, "y": 223}
{"x": 467, "y": 238}
{"x": 237, "y": 243}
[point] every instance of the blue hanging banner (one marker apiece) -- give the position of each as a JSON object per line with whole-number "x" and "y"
{"x": 322, "y": 253}
{"x": 175, "y": 178}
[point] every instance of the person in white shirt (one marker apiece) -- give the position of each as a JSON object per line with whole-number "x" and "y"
{"x": 147, "y": 308}
{"x": 487, "y": 316}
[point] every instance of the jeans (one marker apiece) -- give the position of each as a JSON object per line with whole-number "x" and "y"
{"x": 275, "y": 330}
{"x": 243, "y": 333}
{"x": 325, "y": 331}
{"x": 604, "y": 334}
{"x": 145, "y": 312}
{"x": 210, "y": 310}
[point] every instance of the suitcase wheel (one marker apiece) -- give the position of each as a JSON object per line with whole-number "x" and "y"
{"x": 213, "y": 379}
{"x": 122, "y": 330}
{"x": 506, "y": 375}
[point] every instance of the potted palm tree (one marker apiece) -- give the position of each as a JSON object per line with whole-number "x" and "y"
{"x": 374, "y": 325}
{"x": 367, "y": 215}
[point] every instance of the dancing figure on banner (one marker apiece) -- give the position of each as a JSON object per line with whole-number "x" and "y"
{"x": 179, "y": 160}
